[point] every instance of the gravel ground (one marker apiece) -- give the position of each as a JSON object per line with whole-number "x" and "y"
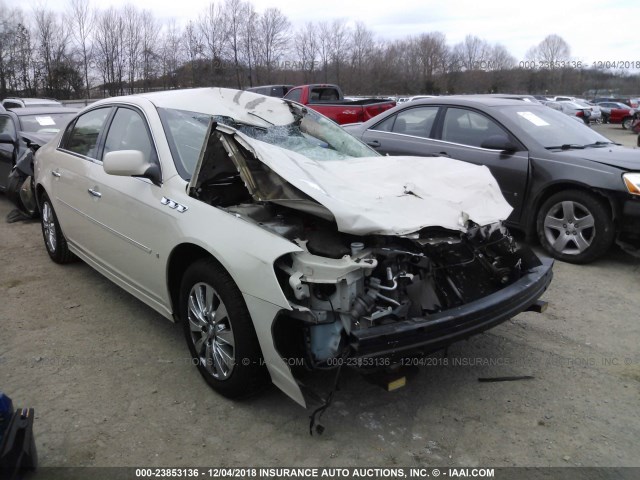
{"x": 112, "y": 386}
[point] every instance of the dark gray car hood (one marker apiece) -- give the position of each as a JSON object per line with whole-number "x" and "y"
{"x": 612, "y": 155}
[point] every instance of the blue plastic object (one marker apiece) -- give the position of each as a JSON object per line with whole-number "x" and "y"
{"x": 6, "y": 412}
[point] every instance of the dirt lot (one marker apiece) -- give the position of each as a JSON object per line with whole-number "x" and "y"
{"x": 111, "y": 384}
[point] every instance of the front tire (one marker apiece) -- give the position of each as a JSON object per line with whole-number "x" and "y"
{"x": 54, "y": 240}
{"x": 575, "y": 226}
{"x": 626, "y": 123}
{"x": 219, "y": 331}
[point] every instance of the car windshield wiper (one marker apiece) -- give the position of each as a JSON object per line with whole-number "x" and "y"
{"x": 566, "y": 146}
{"x": 600, "y": 144}
{"x": 263, "y": 119}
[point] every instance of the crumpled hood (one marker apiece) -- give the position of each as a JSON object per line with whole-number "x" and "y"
{"x": 614, "y": 156}
{"x": 391, "y": 195}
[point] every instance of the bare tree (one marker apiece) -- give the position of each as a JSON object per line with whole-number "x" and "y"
{"x": 274, "y": 35}
{"x": 192, "y": 43}
{"x": 306, "y": 46}
{"x": 235, "y": 14}
{"x": 248, "y": 40}
{"x": 214, "y": 32}
{"x": 52, "y": 42}
{"x": 22, "y": 59}
{"x": 132, "y": 43}
{"x": 171, "y": 59}
{"x": 431, "y": 53}
{"x": 362, "y": 47}
{"x": 150, "y": 30}
{"x": 339, "y": 44}
{"x": 472, "y": 53}
{"x": 108, "y": 37}
{"x": 324, "y": 46}
{"x": 7, "y": 32}
{"x": 82, "y": 20}
{"x": 551, "y": 50}
{"x": 499, "y": 58}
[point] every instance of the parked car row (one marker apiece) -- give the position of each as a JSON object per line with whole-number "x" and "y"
{"x": 583, "y": 110}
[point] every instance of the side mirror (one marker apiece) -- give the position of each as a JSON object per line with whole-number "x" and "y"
{"x": 130, "y": 163}
{"x": 499, "y": 142}
{"x": 6, "y": 138}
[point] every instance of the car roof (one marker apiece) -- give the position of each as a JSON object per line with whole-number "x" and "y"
{"x": 42, "y": 110}
{"x": 241, "y": 105}
{"x": 473, "y": 100}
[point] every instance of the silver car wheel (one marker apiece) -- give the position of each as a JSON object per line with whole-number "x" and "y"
{"x": 211, "y": 331}
{"x": 569, "y": 227}
{"x": 49, "y": 226}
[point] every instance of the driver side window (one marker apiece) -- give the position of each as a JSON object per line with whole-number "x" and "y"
{"x": 128, "y": 131}
{"x": 467, "y": 127}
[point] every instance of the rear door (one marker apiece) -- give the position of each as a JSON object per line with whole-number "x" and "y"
{"x": 69, "y": 166}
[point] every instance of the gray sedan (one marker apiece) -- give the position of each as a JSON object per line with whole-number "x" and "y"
{"x": 574, "y": 188}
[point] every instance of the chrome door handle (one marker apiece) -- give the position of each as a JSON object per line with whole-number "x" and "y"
{"x": 56, "y": 174}
{"x": 95, "y": 193}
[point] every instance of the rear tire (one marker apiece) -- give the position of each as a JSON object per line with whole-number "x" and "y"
{"x": 219, "y": 331}
{"x": 575, "y": 226}
{"x": 54, "y": 240}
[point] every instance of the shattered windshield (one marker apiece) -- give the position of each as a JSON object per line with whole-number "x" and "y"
{"x": 310, "y": 134}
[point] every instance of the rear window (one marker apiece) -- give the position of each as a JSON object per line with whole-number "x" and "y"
{"x": 46, "y": 122}
{"x": 323, "y": 94}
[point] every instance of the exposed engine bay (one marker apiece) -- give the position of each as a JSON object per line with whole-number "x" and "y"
{"x": 342, "y": 283}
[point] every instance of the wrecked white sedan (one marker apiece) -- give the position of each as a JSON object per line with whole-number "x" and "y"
{"x": 277, "y": 239}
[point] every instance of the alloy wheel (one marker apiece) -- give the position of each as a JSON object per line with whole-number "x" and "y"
{"x": 569, "y": 227}
{"x": 211, "y": 331}
{"x": 48, "y": 223}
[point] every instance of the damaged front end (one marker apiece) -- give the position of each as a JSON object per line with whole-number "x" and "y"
{"x": 363, "y": 292}
{"x": 388, "y": 298}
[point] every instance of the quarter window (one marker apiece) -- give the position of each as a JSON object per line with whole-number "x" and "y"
{"x": 83, "y": 136}
{"x": 468, "y": 127}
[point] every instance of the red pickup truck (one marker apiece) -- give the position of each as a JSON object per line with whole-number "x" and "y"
{"x": 328, "y": 100}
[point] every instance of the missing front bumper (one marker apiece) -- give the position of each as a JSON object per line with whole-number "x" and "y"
{"x": 439, "y": 330}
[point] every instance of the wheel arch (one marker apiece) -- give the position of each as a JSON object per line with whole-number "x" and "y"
{"x": 181, "y": 257}
{"x": 554, "y": 188}
{"x": 40, "y": 190}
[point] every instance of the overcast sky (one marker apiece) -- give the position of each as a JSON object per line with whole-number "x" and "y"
{"x": 596, "y": 30}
